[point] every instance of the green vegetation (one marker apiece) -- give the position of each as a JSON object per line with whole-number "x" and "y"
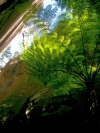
{"x": 67, "y": 62}
{"x": 68, "y": 58}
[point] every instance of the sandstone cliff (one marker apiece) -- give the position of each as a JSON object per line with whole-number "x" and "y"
{"x": 14, "y": 88}
{"x": 13, "y": 78}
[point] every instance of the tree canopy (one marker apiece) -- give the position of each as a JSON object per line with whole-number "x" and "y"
{"x": 68, "y": 57}
{"x": 71, "y": 48}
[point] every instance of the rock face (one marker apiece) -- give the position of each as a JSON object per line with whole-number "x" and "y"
{"x": 13, "y": 81}
{"x": 10, "y": 75}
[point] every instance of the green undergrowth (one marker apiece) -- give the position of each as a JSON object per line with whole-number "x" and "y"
{"x": 15, "y": 99}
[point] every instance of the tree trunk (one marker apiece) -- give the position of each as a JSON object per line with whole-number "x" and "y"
{"x": 93, "y": 107}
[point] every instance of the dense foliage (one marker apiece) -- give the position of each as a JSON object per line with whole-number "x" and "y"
{"x": 72, "y": 48}
{"x": 68, "y": 58}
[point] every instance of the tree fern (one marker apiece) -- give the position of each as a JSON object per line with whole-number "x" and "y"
{"x": 69, "y": 56}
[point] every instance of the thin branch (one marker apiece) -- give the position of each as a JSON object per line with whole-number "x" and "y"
{"x": 79, "y": 75}
{"x": 74, "y": 73}
{"x": 2, "y": 60}
{"x": 97, "y": 81}
{"x": 95, "y": 74}
{"x": 92, "y": 63}
{"x": 83, "y": 45}
{"x": 78, "y": 67}
{"x": 56, "y": 70}
{"x": 98, "y": 65}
